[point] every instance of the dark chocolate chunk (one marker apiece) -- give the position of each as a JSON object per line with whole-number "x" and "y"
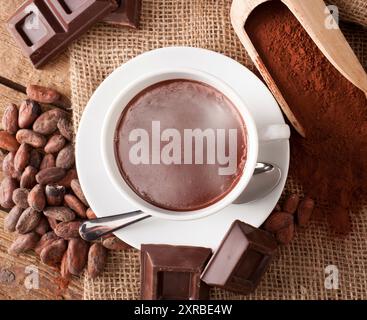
{"x": 127, "y": 14}
{"x": 173, "y": 272}
{"x": 44, "y": 28}
{"x": 241, "y": 259}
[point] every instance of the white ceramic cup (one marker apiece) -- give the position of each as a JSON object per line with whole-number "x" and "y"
{"x": 273, "y": 132}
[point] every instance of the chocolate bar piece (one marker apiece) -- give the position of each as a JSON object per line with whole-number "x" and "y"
{"x": 173, "y": 272}
{"x": 44, "y": 28}
{"x": 241, "y": 259}
{"x": 127, "y": 14}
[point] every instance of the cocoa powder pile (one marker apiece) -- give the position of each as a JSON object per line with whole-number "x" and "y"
{"x": 331, "y": 162}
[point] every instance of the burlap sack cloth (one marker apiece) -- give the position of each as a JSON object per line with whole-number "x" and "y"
{"x": 299, "y": 270}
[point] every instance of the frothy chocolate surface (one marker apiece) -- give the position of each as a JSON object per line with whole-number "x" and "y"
{"x": 181, "y": 105}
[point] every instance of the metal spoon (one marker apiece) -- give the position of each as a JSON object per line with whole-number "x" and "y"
{"x": 266, "y": 177}
{"x": 96, "y": 228}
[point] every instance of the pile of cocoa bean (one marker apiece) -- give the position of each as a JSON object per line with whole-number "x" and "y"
{"x": 285, "y": 218}
{"x": 41, "y": 187}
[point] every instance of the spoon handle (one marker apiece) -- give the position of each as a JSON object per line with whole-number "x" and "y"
{"x": 94, "y": 229}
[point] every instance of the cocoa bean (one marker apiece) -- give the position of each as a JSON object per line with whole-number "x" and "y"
{"x": 285, "y": 235}
{"x": 76, "y": 205}
{"x": 66, "y": 181}
{"x": 8, "y": 142}
{"x": 68, "y": 230}
{"x": 22, "y": 156}
{"x": 2, "y": 157}
{"x": 53, "y": 253}
{"x": 43, "y": 227}
{"x": 46, "y": 123}
{"x": 52, "y": 222}
{"x": 47, "y": 95}
{"x": 277, "y": 207}
{"x": 7, "y": 187}
{"x": 20, "y": 196}
{"x": 90, "y": 214}
{"x": 65, "y": 127}
{"x": 11, "y": 219}
{"x": 291, "y": 203}
{"x": 10, "y": 119}
{"x": 55, "y": 144}
{"x": 30, "y": 137}
{"x": 304, "y": 211}
{"x": 8, "y": 166}
{"x": 36, "y": 198}
{"x": 50, "y": 175}
{"x": 77, "y": 255}
{"x": 48, "y": 161}
{"x": 55, "y": 195}
{"x": 23, "y": 243}
{"x": 97, "y": 259}
{"x": 28, "y": 178}
{"x": 278, "y": 220}
{"x": 114, "y": 243}
{"x": 45, "y": 240}
{"x": 28, "y": 221}
{"x": 60, "y": 213}
{"x": 64, "y": 271}
{"x": 35, "y": 159}
{"x": 28, "y": 112}
{"x": 42, "y": 94}
{"x": 66, "y": 157}
{"x": 77, "y": 189}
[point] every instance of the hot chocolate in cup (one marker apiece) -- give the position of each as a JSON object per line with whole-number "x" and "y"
{"x": 181, "y": 144}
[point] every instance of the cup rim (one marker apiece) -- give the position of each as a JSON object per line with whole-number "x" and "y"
{"x": 122, "y": 100}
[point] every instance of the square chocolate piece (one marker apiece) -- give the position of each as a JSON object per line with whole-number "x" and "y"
{"x": 173, "y": 272}
{"x": 241, "y": 259}
{"x": 127, "y": 14}
{"x": 44, "y": 28}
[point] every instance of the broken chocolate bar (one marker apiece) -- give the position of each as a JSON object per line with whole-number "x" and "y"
{"x": 127, "y": 14}
{"x": 44, "y": 28}
{"x": 173, "y": 272}
{"x": 241, "y": 259}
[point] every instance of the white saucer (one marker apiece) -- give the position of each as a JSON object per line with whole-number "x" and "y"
{"x": 205, "y": 232}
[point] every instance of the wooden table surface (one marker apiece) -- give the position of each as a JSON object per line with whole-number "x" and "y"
{"x": 15, "y": 272}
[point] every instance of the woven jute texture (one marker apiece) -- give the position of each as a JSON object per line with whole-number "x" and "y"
{"x": 298, "y": 271}
{"x": 352, "y": 10}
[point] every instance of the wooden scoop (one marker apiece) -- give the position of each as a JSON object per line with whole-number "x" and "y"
{"x": 312, "y": 15}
